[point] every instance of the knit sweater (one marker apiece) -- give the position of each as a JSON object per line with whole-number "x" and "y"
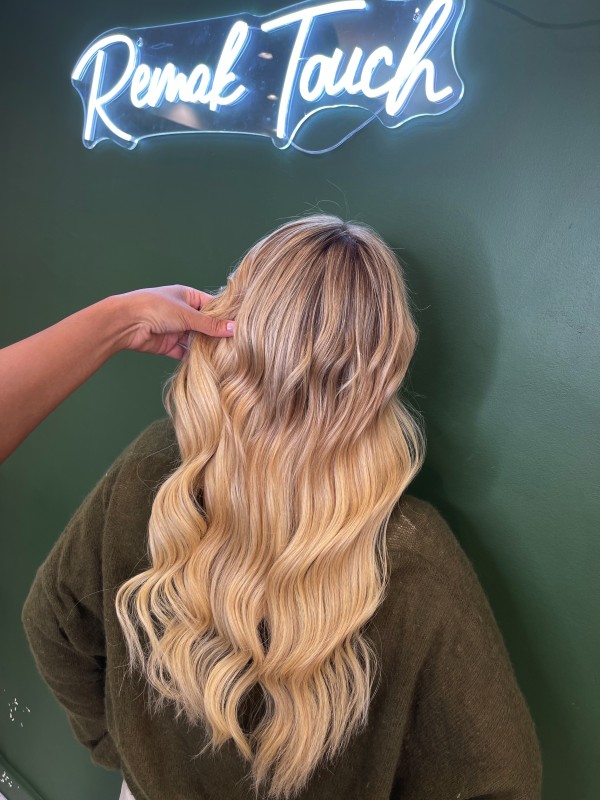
{"x": 446, "y": 721}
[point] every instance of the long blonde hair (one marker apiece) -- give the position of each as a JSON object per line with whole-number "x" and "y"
{"x": 268, "y": 542}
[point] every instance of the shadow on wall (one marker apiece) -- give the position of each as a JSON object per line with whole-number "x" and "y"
{"x": 460, "y": 471}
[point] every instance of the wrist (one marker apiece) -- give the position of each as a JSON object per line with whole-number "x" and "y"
{"x": 118, "y": 320}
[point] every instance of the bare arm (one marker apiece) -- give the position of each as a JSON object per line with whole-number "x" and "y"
{"x": 38, "y": 373}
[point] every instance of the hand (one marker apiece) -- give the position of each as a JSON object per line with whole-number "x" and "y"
{"x": 159, "y": 320}
{"x": 39, "y": 372}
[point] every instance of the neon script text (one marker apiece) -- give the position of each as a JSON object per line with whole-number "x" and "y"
{"x": 267, "y": 75}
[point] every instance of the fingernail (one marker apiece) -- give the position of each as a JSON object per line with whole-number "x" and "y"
{"x": 230, "y": 326}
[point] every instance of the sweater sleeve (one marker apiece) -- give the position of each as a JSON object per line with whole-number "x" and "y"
{"x": 63, "y": 621}
{"x": 470, "y": 734}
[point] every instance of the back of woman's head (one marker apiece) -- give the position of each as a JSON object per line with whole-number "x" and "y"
{"x": 267, "y": 544}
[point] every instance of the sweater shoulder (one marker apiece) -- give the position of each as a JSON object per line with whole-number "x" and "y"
{"x": 420, "y": 538}
{"x": 134, "y": 479}
{"x": 130, "y": 487}
{"x": 151, "y": 456}
{"x": 159, "y": 437}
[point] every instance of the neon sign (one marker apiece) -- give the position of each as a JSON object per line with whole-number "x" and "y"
{"x": 268, "y": 75}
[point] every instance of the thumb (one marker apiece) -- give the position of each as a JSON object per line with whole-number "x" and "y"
{"x": 204, "y": 323}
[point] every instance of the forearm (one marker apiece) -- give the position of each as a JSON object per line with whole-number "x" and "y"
{"x": 38, "y": 373}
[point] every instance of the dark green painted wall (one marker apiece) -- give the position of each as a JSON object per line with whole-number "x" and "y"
{"x": 495, "y": 209}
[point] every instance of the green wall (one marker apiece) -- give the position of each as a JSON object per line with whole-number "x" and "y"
{"x": 494, "y": 208}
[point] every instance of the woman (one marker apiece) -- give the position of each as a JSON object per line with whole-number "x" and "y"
{"x": 248, "y": 604}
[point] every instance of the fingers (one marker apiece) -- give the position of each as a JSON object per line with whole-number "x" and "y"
{"x": 203, "y": 323}
{"x": 181, "y": 347}
{"x": 177, "y": 351}
{"x": 193, "y": 297}
{"x": 185, "y": 341}
{"x": 175, "y": 308}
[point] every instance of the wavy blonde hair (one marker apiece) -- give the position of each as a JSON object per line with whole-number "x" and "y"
{"x": 267, "y": 543}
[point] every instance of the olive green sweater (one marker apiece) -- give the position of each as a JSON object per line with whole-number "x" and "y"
{"x": 447, "y": 721}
